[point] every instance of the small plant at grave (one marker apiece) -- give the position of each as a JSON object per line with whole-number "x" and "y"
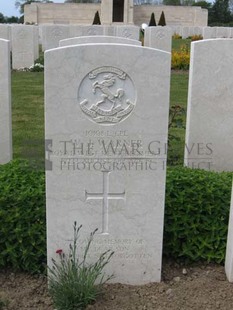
{"x": 196, "y": 37}
{"x": 176, "y": 120}
{"x": 176, "y": 36}
{"x": 176, "y": 114}
{"x": 72, "y": 282}
{"x": 37, "y": 67}
{"x": 181, "y": 58}
{"x": 40, "y": 60}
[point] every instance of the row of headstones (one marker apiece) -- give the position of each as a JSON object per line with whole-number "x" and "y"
{"x": 25, "y": 39}
{"x": 205, "y": 32}
{"x": 106, "y": 109}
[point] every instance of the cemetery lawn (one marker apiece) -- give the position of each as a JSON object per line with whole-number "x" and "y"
{"x": 203, "y": 287}
{"x": 28, "y": 115}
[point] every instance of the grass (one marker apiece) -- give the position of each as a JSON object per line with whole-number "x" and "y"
{"x": 178, "y": 96}
{"x": 28, "y": 114}
{"x": 177, "y": 43}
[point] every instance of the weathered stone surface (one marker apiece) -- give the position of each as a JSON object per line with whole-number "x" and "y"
{"x": 52, "y": 34}
{"x": 23, "y": 46}
{"x": 106, "y": 108}
{"x": 209, "y": 33}
{"x": 158, "y": 37}
{"x": 98, "y": 39}
{"x": 209, "y": 125}
{"x": 5, "y": 103}
{"x": 223, "y": 32}
{"x": 127, "y": 31}
{"x": 5, "y": 32}
{"x": 94, "y": 30}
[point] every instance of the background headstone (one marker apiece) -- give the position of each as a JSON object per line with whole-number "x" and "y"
{"x": 106, "y": 108}
{"x": 158, "y": 37}
{"x": 75, "y": 31}
{"x": 94, "y": 30}
{"x": 209, "y": 127}
{"x": 98, "y": 39}
{"x": 209, "y": 33}
{"x": 52, "y": 34}
{"x": 185, "y": 32}
{"x": 5, "y": 32}
{"x": 222, "y": 32}
{"x": 36, "y": 42}
{"x": 229, "y": 248}
{"x": 5, "y": 103}
{"x": 127, "y": 31}
{"x": 23, "y": 46}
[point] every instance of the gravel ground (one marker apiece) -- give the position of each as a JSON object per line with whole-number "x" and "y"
{"x": 182, "y": 288}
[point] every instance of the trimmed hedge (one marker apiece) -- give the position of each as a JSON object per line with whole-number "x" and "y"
{"x": 22, "y": 217}
{"x": 196, "y": 216}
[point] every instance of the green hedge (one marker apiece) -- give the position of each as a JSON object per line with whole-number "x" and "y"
{"x": 196, "y": 216}
{"x": 22, "y": 217}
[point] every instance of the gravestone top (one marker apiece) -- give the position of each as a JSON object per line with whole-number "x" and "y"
{"x": 98, "y": 39}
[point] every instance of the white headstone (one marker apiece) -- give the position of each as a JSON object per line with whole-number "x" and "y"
{"x": 52, "y": 34}
{"x": 185, "y": 32}
{"x": 109, "y": 30}
{"x": 94, "y": 30}
{"x": 36, "y": 42}
{"x": 223, "y": 32}
{"x": 127, "y": 31}
{"x": 197, "y": 31}
{"x": 98, "y": 39}
{"x": 23, "y": 46}
{"x": 176, "y": 30}
{"x": 106, "y": 109}
{"x": 5, "y": 32}
{"x": 209, "y": 128}
{"x": 75, "y": 31}
{"x": 5, "y": 103}
{"x": 209, "y": 33}
{"x": 229, "y": 248}
{"x": 231, "y": 33}
{"x": 158, "y": 37}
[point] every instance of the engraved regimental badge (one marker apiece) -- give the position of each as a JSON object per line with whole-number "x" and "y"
{"x": 107, "y": 95}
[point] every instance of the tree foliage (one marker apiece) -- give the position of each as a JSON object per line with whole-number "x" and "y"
{"x": 220, "y": 12}
{"x": 172, "y": 2}
{"x": 8, "y": 20}
{"x": 162, "y": 21}
{"x": 152, "y": 20}
{"x": 96, "y": 20}
{"x": 203, "y": 4}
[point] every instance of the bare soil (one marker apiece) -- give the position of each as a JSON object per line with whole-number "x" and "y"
{"x": 182, "y": 288}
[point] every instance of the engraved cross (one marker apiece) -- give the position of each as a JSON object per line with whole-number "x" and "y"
{"x": 105, "y": 196}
